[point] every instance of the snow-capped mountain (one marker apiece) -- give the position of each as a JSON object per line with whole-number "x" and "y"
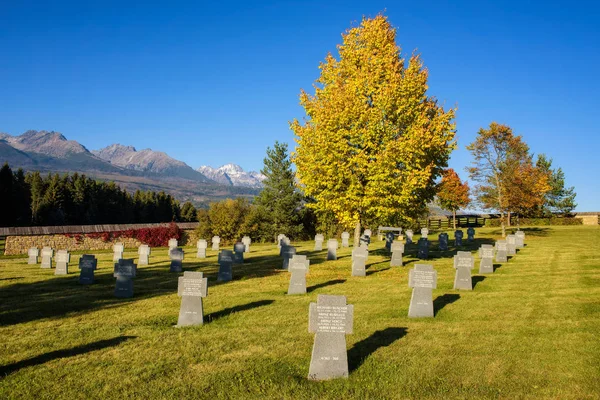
{"x": 233, "y": 175}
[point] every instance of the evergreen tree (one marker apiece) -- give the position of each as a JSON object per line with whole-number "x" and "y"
{"x": 188, "y": 212}
{"x": 6, "y": 196}
{"x": 559, "y": 200}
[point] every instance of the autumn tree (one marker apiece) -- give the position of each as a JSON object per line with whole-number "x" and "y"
{"x": 452, "y": 194}
{"x": 373, "y": 143}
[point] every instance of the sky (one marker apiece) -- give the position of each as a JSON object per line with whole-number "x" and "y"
{"x": 211, "y": 83}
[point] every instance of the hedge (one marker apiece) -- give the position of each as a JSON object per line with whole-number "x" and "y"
{"x": 496, "y": 222}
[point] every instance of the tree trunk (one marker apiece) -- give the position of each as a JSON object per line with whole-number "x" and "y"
{"x": 508, "y": 219}
{"x": 502, "y": 222}
{"x": 357, "y": 234}
{"x": 454, "y": 219}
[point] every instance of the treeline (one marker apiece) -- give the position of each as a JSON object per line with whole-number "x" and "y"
{"x": 30, "y": 199}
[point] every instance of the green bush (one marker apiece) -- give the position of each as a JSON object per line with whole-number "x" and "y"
{"x": 226, "y": 219}
{"x": 536, "y": 221}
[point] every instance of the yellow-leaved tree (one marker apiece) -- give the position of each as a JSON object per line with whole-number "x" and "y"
{"x": 373, "y": 142}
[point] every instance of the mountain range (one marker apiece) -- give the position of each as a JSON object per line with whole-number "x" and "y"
{"x": 49, "y": 151}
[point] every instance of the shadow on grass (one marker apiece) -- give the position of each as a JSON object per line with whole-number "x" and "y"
{"x": 496, "y": 266}
{"x": 324, "y": 284}
{"x": 443, "y": 300}
{"x": 75, "y": 351}
{"x": 371, "y": 272}
{"x": 244, "y": 307}
{"x": 16, "y": 278}
{"x": 363, "y": 349}
{"x": 476, "y": 279}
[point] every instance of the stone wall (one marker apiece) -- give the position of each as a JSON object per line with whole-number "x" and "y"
{"x": 589, "y": 219}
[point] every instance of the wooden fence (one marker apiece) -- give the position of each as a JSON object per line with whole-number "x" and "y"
{"x": 77, "y": 229}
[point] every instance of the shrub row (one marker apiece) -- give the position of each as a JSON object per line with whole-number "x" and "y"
{"x": 153, "y": 237}
{"x": 538, "y": 221}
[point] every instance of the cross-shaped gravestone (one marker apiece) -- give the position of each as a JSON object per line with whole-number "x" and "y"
{"x": 424, "y": 232}
{"x": 47, "y": 254}
{"x": 359, "y": 261}
{"x": 87, "y": 266}
{"x": 520, "y": 239}
{"x": 299, "y": 268}
{"x": 201, "y": 246}
{"x": 176, "y": 256}
{"x": 458, "y": 237}
{"x": 285, "y": 241}
{"x": 173, "y": 243}
{"x": 144, "y": 254}
{"x": 191, "y": 287}
{"x": 397, "y": 250}
{"x": 409, "y": 236}
{"x": 443, "y": 241}
{"x": 511, "y": 245}
{"x": 246, "y": 241}
{"x": 364, "y": 240}
{"x": 332, "y": 245}
{"x": 330, "y": 319}
{"x": 215, "y": 243}
{"x": 501, "y": 251}
{"x": 287, "y": 252}
{"x": 238, "y": 252}
{"x": 62, "y": 262}
{"x": 423, "y": 248}
{"x": 423, "y": 279}
{"x": 486, "y": 253}
{"x": 225, "y": 266}
{"x": 32, "y": 255}
{"x": 125, "y": 271}
{"x": 319, "y": 238}
{"x": 368, "y": 232}
{"x": 470, "y": 234}
{"x": 464, "y": 263}
{"x": 345, "y": 237}
{"x": 389, "y": 238}
{"x": 118, "y": 249}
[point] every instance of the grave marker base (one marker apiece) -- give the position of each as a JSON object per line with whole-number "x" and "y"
{"x": 191, "y": 312}
{"x": 329, "y": 357}
{"x": 486, "y": 266}
{"x": 421, "y": 303}
{"x": 124, "y": 287}
{"x": 462, "y": 279}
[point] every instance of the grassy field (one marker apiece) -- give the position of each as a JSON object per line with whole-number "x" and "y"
{"x": 530, "y": 330}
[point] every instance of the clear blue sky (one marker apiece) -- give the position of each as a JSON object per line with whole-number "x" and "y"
{"x": 212, "y": 83}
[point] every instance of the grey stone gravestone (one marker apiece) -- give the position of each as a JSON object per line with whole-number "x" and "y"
{"x": 443, "y": 241}
{"x": 389, "y": 239}
{"x": 246, "y": 241}
{"x": 501, "y": 251}
{"x": 201, "y": 246}
{"x": 62, "y": 262}
{"x": 520, "y": 239}
{"x": 118, "y": 250}
{"x": 458, "y": 237}
{"x": 47, "y": 254}
{"x": 332, "y": 245}
{"x": 409, "y": 236}
{"x": 368, "y": 232}
{"x": 125, "y": 270}
{"x": 486, "y": 264}
{"x": 225, "y": 266}
{"x": 238, "y": 252}
{"x": 176, "y": 256}
{"x": 511, "y": 245}
{"x": 464, "y": 263}
{"x": 359, "y": 261}
{"x": 87, "y": 266}
{"x": 173, "y": 243}
{"x": 364, "y": 240}
{"x": 397, "y": 251}
{"x": 319, "y": 242}
{"x": 191, "y": 287}
{"x": 144, "y": 254}
{"x": 215, "y": 243}
{"x": 279, "y": 241}
{"x": 32, "y": 255}
{"x": 285, "y": 241}
{"x": 345, "y": 239}
{"x": 423, "y": 248}
{"x": 287, "y": 252}
{"x": 470, "y": 234}
{"x": 422, "y": 279}
{"x": 330, "y": 319}
{"x": 424, "y": 232}
{"x": 299, "y": 268}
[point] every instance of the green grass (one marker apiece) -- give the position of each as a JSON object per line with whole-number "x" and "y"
{"x": 530, "y": 330}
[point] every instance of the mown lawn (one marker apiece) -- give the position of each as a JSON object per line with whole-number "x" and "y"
{"x": 530, "y": 330}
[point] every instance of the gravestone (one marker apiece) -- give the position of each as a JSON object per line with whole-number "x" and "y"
{"x": 319, "y": 242}
{"x": 424, "y": 232}
{"x": 397, "y": 250}
{"x": 125, "y": 270}
{"x": 118, "y": 249}
{"x": 287, "y": 252}
{"x": 32, "y": 255}
{"x": 201, "y": 246}
{"x": 191, "y": 287}
{"x": 279, "y": 242}
{"x": 144, "y": 254}
{"x": 464, "y": 263}
{"x": 359, "y": 261}
{"x": 520, "y": 239}
{"x": 285, "y": 241}
{"x": 225, "y": 266}
{"x": 330, "y": 319}
{"x": 215, "y": 243}
{"x": 423, "y": 248}
{"x": 332, "y": 245}
{"x": 364, "y": 240}
{"x": 511, "y": 245}
{"x": 238, "y": 252}
{"x": 176, "y": 256}
{"x": 501, "y": 251}
{"x": 422, "y": 279}
{"x": 62, "y": 262}
{"x": 345, "y": 238}
{"x": 298, "y": 266}
{"x": 470, "y": 234}
{"x": 486, "y": 253}
{"x": 47, "y": 254}
{"x": 173, "y": 243}
{"x": 87, "y": 266}
{"x": 389, "y": 239}
{"x": 443, "y": 241}
{"x": 409, "y": 236}
{"x": 458, "y": 237}
{"x": 368, "y": 232}
{"x": 246, "y": 241}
